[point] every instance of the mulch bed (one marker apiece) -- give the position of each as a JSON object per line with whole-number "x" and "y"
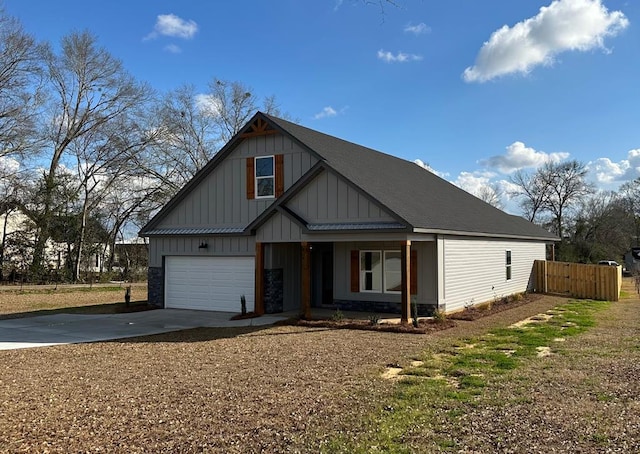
{"x": 475, "y": 312}
{"x": 424, "y": 325}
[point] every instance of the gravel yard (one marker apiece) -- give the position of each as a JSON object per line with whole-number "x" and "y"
{"x": 286, "y": 389}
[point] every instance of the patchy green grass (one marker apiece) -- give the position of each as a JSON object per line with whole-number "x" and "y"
{"x": 459, "y": 377}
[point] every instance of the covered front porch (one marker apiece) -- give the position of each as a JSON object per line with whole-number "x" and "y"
{"x": 375, "y": 276}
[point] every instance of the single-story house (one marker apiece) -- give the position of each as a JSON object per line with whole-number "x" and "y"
{"x": 292, "y": 218}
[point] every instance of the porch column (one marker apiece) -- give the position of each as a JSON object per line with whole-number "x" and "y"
{"x": 405, "y": 292}
{"x": 259, "y": 291}
{"x": 306, "y": 280}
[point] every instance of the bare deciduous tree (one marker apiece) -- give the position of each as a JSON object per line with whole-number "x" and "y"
{"x": 600, "y": 229}
{"x": 492, "y": 194}
{"x": 90, "y": 90}
{"x": 629, "y": 194}
{"x": 532, "y": 190}
{"x": 20, "y": 69}
{"x": 554, "y": 188}
{"x": 191, "y": 127}
{"x": 566, "y": 186}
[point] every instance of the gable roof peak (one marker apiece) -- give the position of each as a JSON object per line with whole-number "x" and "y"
{"x": 421, "y": 198}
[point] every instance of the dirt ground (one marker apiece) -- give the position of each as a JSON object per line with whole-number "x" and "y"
{"x": 14, "y": 301}
{"x": 584, "y": 397}
{"x": 282, "y": 389}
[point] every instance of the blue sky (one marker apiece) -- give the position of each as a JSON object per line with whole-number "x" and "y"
{"x": 475, "y": 89}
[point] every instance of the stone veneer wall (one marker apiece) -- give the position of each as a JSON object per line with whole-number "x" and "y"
{"x": 424, "y": 310}
{"x": 155, "y": 286}
{"x": 273, "y": 291}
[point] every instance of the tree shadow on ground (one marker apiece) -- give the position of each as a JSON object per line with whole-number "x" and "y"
{"x": 210, "y": 334}
{"x": 108, "y": 308}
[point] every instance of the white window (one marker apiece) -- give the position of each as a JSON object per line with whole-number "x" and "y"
{"x": 392, "y": 272}
{"x": 508, "y": 264}
{"x": 371, "y": 271}
{"x": 265, "y": 177}
{"x": 380, "y": 271}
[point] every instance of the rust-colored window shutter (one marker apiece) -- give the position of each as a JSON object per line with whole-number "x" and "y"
{"x": 355, "y": 271}
{"x": 279, "y": 174}
{"x": 413, "y": 279}
{"x": 251, "y": 193}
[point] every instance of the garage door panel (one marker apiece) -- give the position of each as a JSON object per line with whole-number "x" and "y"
{"x": 209, "y": 283}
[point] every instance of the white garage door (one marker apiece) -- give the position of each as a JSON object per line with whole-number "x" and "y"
{"x": 209, "y": 283}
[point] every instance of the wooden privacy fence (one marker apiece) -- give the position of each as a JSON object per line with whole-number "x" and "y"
{"x": 578, "y": 280}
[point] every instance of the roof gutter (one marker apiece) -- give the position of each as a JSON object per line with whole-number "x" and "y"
{"x": 486, "y": 235}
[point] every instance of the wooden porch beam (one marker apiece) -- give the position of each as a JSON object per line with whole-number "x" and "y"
{"x": 306, "y": 280}
{"x": 259, "y": 292}
{"x": 405, "y": 292}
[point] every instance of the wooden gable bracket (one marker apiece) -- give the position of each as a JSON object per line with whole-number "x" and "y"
{"x": 260, "y": 127}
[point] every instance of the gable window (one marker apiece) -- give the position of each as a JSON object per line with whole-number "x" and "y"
{"x": 508, "y": 264}
{"x": 265, "y": 177}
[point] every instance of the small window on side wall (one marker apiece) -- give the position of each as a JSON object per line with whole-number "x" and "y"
{"x": 265, "y": 177}
{"x": 508, "y": 264}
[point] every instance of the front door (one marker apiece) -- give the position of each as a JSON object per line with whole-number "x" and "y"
{"x": 321, "y": 274}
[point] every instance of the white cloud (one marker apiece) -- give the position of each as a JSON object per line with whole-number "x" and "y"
{"x": 400, "y": 57}
{"x": 564, "y": 25}
{"x": 419, "y": 29}
{"x": 606, "y": 171}
{"x": 337, "y": 5}
{"x": 485, "y": 186}
{"x": 426, "y": 166}
{"x": 519, "y": 156}
{"x": 473, "y": 182}
{"x": 325, "y": 113}
{"x": 329, "y": 111}
{"x": 174, "y": 26}
{"x": 174, "y": 49}
{"x": 208, "y": 104}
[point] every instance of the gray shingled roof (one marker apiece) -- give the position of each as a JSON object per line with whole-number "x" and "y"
{"x": 418, "y": 196}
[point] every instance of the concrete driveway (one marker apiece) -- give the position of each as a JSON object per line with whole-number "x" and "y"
{"x": 60, "y": 329}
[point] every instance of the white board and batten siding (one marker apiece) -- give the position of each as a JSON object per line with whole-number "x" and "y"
{"x": 475, "y": 269}
{"x": 209, "y": 283}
